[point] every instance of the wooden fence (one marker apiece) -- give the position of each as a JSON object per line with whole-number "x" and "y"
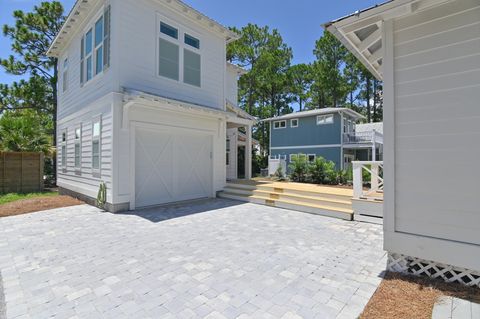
{"x": 21, "y": 172}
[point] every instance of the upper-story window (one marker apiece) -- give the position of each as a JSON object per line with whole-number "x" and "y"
{"x": 294, "y": 123}
{"x": 174, "y": 54}
{"x": 95, "y": 48}
{"x": 279, "y": 124}
{"x": 65, "y": 75}
{"x": 324, "y": 119}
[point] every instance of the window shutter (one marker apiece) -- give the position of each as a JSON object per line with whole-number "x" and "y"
{"x": 82, "y": 57}
{"x": 106, "y": 38}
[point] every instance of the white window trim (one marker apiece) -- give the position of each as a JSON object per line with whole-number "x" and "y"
{"x": 290, "y": 157}
{"x": 96, "y": 172}
{"x": 279, "y": 126}
{"x": 291, "y": 123}
{"x": 91, "y": 26}
{"x": 75, "y": 142}
{"x": 182, "y": 29}
{"x": 324, "y": 117}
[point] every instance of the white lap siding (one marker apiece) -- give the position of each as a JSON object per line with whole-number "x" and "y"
{"x": 437, "y": 116}
{"x": 84, "y": 180}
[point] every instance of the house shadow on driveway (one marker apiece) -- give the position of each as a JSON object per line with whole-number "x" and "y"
{"x": 176, "y": 210}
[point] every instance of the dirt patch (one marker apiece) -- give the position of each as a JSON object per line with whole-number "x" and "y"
{"x": 400, "y": 296}
{"x": 37, "y": 204}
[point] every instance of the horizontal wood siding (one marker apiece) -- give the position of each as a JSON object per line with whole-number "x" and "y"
{"x": 77, "y": 95}
{"x": 437, "y": 122}
{"x": 85, "y": 179}
{"x": 138, "y": 54}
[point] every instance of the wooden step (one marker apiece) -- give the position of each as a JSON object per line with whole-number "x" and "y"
{"x": 325, "y": 210}
{"x": 276, "y": 195}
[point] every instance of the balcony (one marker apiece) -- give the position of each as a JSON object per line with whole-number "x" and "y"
{"x": 363, "y": 138}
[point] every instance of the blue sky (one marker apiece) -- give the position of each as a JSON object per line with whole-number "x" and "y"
{"x": 299, "y": 21}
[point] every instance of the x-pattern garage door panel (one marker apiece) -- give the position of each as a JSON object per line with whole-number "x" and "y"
{"x": 171, "y": 165}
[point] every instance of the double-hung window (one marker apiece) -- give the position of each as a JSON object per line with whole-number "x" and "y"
{"x": 294, "y": 123}
{"x": 169, "y": 53}
{"x": 191, "y": 61}
{"x": 175, "y": 55}
{"x": 78, "y": 147}
{"x": 95, "y": 48}
{"x": 96, "y": 145}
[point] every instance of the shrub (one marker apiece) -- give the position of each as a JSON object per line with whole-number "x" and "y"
{"x": 317, "y": 170}
{"x": 299, "y": 168}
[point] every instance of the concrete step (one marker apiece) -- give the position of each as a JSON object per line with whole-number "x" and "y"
{"x": 325, "y": 210}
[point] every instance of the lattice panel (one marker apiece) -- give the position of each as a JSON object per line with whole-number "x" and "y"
{"x": 420, "y": 267}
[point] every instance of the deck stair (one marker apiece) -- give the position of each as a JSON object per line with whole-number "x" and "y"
{"x": 313, "y": 199}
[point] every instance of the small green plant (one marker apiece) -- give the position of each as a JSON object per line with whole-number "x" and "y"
{"x": 102, "y": 195}
{"x": 316, "y": 170}
{"x": 299, "y": 168}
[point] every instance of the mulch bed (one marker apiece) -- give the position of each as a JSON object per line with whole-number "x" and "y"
{"x": 37, "y": 204}
{"x": 401, "y": 296}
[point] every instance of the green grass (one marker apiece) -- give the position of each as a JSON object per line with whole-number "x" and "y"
{"x": 12, "y": 197}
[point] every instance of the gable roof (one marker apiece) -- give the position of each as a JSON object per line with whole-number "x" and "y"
{"x": 81, "y": 9}
{"x": 361, "y": 32}
{"x": 369, "y": 127}
{"x": 327, "y": 110}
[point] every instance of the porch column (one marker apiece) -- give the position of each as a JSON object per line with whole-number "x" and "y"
{"x": 374, "y": 146}
{"x": 248, "y": 152}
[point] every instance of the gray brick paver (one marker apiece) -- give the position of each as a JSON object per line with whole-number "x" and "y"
{"x": 214, "y": 259}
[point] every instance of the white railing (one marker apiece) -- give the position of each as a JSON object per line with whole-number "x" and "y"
{"x": 274, "y": 163}
{"x": 363, "y": 137}
{"x": 375, "y": 191}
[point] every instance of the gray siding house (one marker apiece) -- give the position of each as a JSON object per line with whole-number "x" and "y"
{"x": 328, "y": 132}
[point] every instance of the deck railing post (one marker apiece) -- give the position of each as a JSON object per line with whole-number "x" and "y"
{"x": 374, "y": 177}
{"x": 357, "y": 180}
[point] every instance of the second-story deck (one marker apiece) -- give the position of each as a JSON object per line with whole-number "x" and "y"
{"x": 362, "y": 139}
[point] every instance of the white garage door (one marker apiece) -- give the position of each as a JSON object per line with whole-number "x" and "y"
{"x": 171, "y": 165}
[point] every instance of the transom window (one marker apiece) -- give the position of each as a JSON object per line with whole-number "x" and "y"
{"x": 324, "y": 119}
{"x": 95, "y": 48}
{"x": 192, "y": 41}
{"x": 279, "y": 124}
{"x": 96, "y": 145}
{"x": 175, "y": 54}
{"x": 169, "y": 30}
{"x": 294, "y": 123}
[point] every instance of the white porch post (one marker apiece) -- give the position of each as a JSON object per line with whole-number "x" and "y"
{"x": 374, "y": 177}
{"x": 248, "y": 152}
{"x": 374, "y": 146}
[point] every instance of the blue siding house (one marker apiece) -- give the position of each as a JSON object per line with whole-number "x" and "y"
{"x": 328, "y": 132}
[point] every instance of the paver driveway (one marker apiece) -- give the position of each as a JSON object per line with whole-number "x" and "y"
{"x": 213, "y": 259}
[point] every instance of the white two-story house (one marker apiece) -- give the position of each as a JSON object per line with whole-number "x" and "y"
{"x": 145, "y": 103}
